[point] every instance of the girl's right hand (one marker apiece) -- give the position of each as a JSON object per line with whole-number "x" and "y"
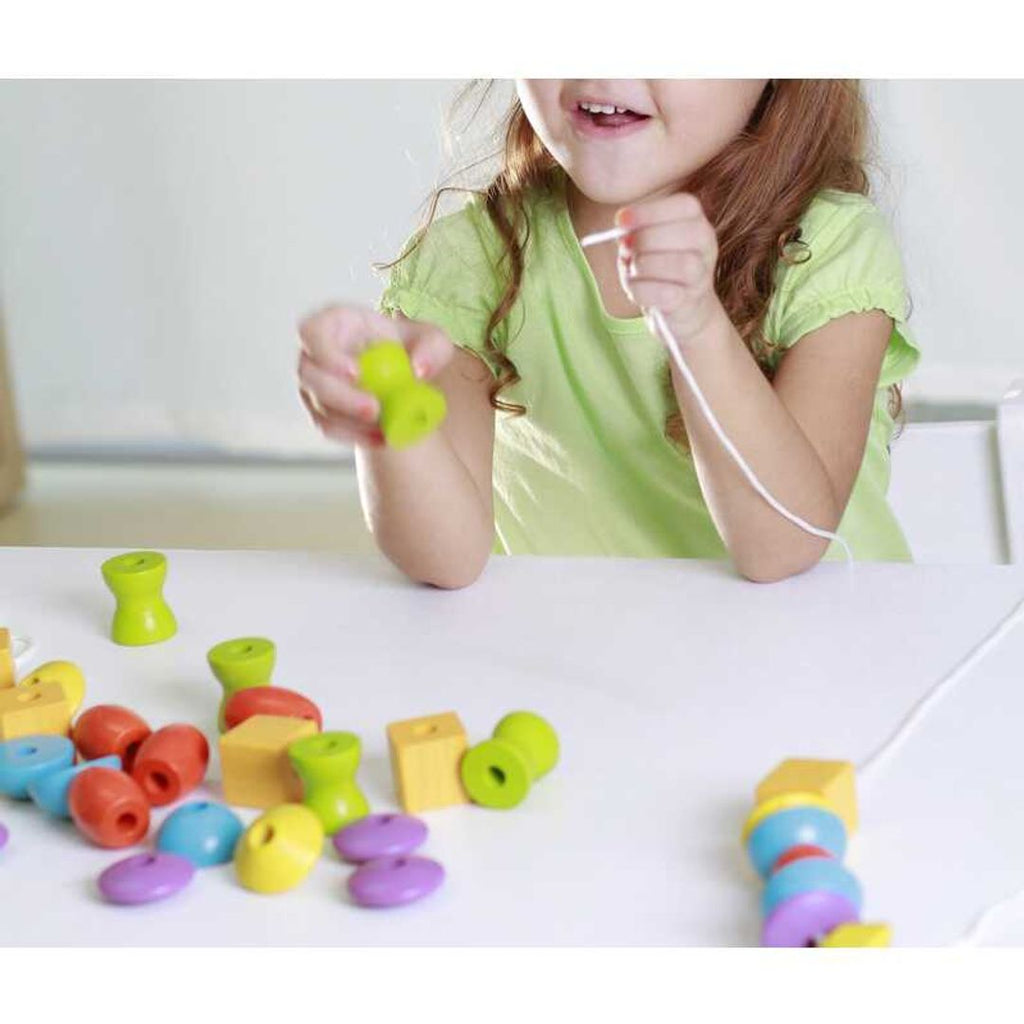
{"x": 331, "y": 341}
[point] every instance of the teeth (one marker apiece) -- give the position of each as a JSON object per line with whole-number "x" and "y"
{"x": 601, "y": 108}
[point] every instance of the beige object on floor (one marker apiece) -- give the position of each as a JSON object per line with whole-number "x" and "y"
{"x": 12, "y": 458}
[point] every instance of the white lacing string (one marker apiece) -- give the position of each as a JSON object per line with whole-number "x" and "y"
{"x": 944, "y": 686}
{"x": 668, "y": 338}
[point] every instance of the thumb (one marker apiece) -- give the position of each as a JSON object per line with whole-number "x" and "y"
{"x": 430, "y": 350}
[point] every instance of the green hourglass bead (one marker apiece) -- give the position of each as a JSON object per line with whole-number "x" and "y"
{"x": 410, "y": 409}
{"x": 326, "y": 765}
{"x": 136, "y": 580}
{"x": 500, "y": 771}
{"x": 240, "y": 664}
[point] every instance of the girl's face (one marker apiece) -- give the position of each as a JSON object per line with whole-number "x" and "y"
{"x": 622, "y": 140}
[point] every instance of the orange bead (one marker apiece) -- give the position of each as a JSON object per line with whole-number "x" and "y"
{"x": 171, "y": 763}
{"x": 270, "y": 700}
{"x": 108, "y": 807}
{"x": 109, "y": 729}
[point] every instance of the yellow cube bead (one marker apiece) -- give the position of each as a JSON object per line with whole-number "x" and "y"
{"x": 833, "y": 781}
{"x": 66, "y": 673}
{"x": 425, "y": 756}
{"x": 850, "y": 935}
{"x": 34, "y": 710}
{"x": 254, "y": 764}
{"x": 279, "y": 849}
{"x": 7, "y": 673}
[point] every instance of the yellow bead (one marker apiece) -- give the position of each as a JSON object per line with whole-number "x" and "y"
{"x": 278, "y": 850}
{"x": 833, "y": 781}
{"x": 850, "y": 935}
{"x": 782, "y": 802}
{"x": 67, "y": 674}
{"x": 6, "y": 660}
{"x": 254, "y": 766}
{"x": 425, "y": 756}
{"x": 29, "y": 711}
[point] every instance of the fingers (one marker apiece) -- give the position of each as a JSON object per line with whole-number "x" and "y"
{"x": 333, "y": 337}
{"x": 686, "y": 267}
{"x": 341, "y": 428}
{"x": 677, "y": 207}
{"x": 430, "y": 351}
{"x": 334, "y": 394}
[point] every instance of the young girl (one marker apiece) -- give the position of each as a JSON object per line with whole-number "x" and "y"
{"x": 569, "y": 430}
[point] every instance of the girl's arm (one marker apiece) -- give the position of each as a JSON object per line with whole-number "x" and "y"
{"x": 803, "y": 435}
{"x": 429, "y": 506}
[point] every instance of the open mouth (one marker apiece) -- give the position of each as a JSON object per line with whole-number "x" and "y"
{"x": 607, "y": 115}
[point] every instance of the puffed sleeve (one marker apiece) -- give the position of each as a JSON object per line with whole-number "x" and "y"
{"x": 451, "y": 279}
{"x": 854, "y": 266}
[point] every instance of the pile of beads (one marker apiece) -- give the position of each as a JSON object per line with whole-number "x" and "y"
{"x": 796, "y": 839}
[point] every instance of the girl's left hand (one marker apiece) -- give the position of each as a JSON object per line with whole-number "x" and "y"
{"x": 667, "y": 261}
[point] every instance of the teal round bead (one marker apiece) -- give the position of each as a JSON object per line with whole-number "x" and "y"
{"x": 811, "y": 874}
{"x": 27, "y": 758}
{"x": 795, "y": 826}
{"x": 50, "y": 791}
{"x": 204, "y": 833}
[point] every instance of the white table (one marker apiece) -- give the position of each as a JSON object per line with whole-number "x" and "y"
{"x": 674, "y": 687}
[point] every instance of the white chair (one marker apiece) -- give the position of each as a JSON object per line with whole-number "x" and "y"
{"x": 958, "y": 488}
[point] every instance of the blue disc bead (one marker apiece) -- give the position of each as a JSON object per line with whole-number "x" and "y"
{"x": 795, "y": 826}
{"x": 27, "y": 758}
{"x": 50, "y": 791}
{"x": 812, "y": 874}
{"x": 206, "y": 833}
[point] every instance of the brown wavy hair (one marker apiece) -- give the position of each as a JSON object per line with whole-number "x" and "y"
{"x": 803, "y": 136}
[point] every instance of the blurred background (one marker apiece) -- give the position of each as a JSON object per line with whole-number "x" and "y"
{"x": 159, "y": 241}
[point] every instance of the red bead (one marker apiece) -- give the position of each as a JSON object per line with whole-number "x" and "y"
{"x": 798, "y": 853}
{"x": 108, "y": 807}
{"x": 109, "y": 729}
{"x": 269, "y": 700}
{"x": 171, "y": 763}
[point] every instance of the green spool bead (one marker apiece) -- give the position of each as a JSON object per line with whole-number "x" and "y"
{"x": 142, "y": 616}
{"x": 326, "y": 764}
{"x": 499, "y": 772}
{"x": 411, "y": 413}
{"x": 384, "y": 367}
{"x": 240, "y": 664}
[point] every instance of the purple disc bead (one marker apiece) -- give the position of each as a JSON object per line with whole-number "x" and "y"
{"x": 146, "y": 877}
{"x": 394, "y": 881}
{"x": 802, "y": 920}
{"x": 379, "y": 835}
{"x": 3, "y": 835}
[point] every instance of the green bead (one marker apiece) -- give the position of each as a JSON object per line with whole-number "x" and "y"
{"x": 500, "y": 771}
{"x": 411, "y": 413}
{"x": 326, "y": 765}
{"x": 240, "y": 664}
{"x": 383, "y": 367}
{"x": 142, "y": 615}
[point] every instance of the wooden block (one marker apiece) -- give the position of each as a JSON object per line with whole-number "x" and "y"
{"x": 849, "y": 935}
{"x": 833, "y": 781}
{"x": 254, "y": 765}
{"x": 425, "y": 756}
{"x": 31, "y": 710}
{"x": 7, "y": 671}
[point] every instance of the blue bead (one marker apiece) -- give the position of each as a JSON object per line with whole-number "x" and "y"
{"x": 811, "y": 874}
{"x": 30, "y": 757}
{"x": 50, "y": 791}
{"x": 795, "y": 826}
{"x": 203, "y": 832}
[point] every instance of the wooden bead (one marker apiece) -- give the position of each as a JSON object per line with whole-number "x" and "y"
{"x": 136, "y": 580}
{"x": 279, "y": 849}
{"x": 34, "y": 711}
{"x": 109, "y": 807}
{"x": 326, "y": 764}
{"x": 425, "y": 757}
{"x": 170, "y": 763}
{"x": 833, "y": 781}
{"x": 109, "y": 729}
{"x": 7, "y": 668}
{"x": 254, "y": 765}
{"x": 269, "y": 700}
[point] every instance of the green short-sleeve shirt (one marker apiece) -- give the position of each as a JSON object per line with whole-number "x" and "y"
{"x": 588, "y": 469}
